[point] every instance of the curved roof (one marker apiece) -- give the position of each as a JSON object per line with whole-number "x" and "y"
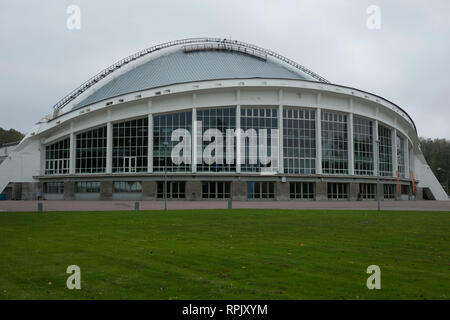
{"x": 182, "y": 61}
{"x": 182, "y": 67}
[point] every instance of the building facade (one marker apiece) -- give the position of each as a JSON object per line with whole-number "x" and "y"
{"x": 222, "y": 119}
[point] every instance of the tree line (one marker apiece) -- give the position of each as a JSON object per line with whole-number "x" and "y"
{"x": 437, "y": 154}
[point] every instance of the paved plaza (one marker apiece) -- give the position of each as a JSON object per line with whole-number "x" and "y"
{"x": 20, "y": 206}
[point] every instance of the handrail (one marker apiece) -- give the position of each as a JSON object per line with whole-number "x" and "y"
{"x": 105, "y": 72}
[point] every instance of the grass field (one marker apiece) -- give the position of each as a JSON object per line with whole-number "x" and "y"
{"x": 222, "y": 254}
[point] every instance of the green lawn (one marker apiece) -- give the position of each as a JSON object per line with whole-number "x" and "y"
{"x": 222, "y": 254}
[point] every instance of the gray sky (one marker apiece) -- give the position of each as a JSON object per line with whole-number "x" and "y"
{"x": 406, "y": 61}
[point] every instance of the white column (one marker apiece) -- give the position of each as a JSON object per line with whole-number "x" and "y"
{"x": 351, "y": 163}
{"x": 394, "y": 153}
{"x": 238, "y": 138}
{"x": 194, "y": 140}
{"x": 280, "y": 140}
{"x": 406, "y": 151}
{"x": 318, "y": 142}
{"x": 375, "y": 150}
{"x": 150, "y": 144}
{"x": 280, "y": 133}
{"x": 108, "y": 147}
{"x": 72, "y": 153}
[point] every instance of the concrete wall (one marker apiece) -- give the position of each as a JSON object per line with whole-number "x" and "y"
{"x": 193, "y": 190}
{"x": 239, "y": 190}
{"x": 282, "y": 191}
{"x": 321, "y": 191}
{"x": 149, "y": 190}
{"x": 353, "y": 190}
{"x": 106, "y": 190}
{"x": 69, "y": 190}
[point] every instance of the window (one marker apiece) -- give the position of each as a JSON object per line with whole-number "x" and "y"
{"x": 127, "y": 186}
{"x": 88, "y": 187}
{"x": 216, "y": 190}
{"x": 91, "y": 151}
{"x": 299, "y": 140}
{"x": 222, "y": 119}
{"x": 334, "y": 143}
{"x": 367, "y": 190}
{"x": 405, "y": 189}
{"x": 175, "y": 190}
{"x": 385, "y": 151}
{"x": 363, "y": 146}
{"x": 256, "y": 118}
{"x": 57, "y": 157}
{"x": 301, "y": 190}
{"x": 130, "y": 146}
{"x": 260, "y": 190}
{"x": 163, "y": 126}
{"x": 54, "y": 187}
{"x": 337, "y": 191}
{"x": 401, "y": 156}
{"x": 389, "y": 191}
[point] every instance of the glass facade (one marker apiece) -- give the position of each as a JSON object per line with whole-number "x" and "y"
{"x": 301, "y": 190}
{"x": 127, "y": 186}
{"x": 401, "y": 157}
{"x": 130, "y": 146}
{"x": 216, "y": 190}
{"x": 57, "y": 157}
{"x": 260, "y": 190}
{"x": 299, "y": 141}
{"x": 385, "y": 151}
{"x": 337, "y": 191}
{"x": 389, "y": 191}
{"x": 87, "y": 186}
{"x": 334, "y": 143}
{"x": 54, "y": 187}
{"x": 363, "y": 146}
{"x": 367, "y": 190}
{"x": 175, "y": 190}
{"x": 91, "y": 151}
{"x": 256, "y": 118}
{"x": 222, "y": 119}
{"x": 130, "y": 149}
{"x": 163, "y": 126}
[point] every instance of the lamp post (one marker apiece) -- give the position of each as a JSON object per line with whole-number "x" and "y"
{"x": 377, "y": 142}
{"x": 446, "y": 179}
{"x": 165, "y": 175}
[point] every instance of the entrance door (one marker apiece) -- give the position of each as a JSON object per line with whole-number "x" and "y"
{"x": 129, "y": 164}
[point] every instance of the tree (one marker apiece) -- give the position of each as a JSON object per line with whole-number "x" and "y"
{"x": 11, "y": 135}
{"x": 437, "y": 154}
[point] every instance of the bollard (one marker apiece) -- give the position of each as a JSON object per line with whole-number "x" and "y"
{"x": 230, "y": 204}
{"x": 136, "y": 206}
{"x": 40, "y": 207}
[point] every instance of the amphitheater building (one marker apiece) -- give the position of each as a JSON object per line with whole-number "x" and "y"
{"x": 218, "y": 119}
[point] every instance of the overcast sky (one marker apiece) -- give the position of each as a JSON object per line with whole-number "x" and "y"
{"x": 407, "y": 61}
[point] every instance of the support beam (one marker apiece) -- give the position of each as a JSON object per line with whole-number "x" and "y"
{"x": 351, "y": 164}
{"x": 194, "y": 140}
{"x": 280, "y": 133}
{"x": 238, "y": 138}
{"x": 394, "y": 153}
{"x": 318, "y": 141}
{"x": 108, "y": 147}
{"x": 375, "y": 151}
{"x": 150, "y": 144}
{"x": 72, "y": 153}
